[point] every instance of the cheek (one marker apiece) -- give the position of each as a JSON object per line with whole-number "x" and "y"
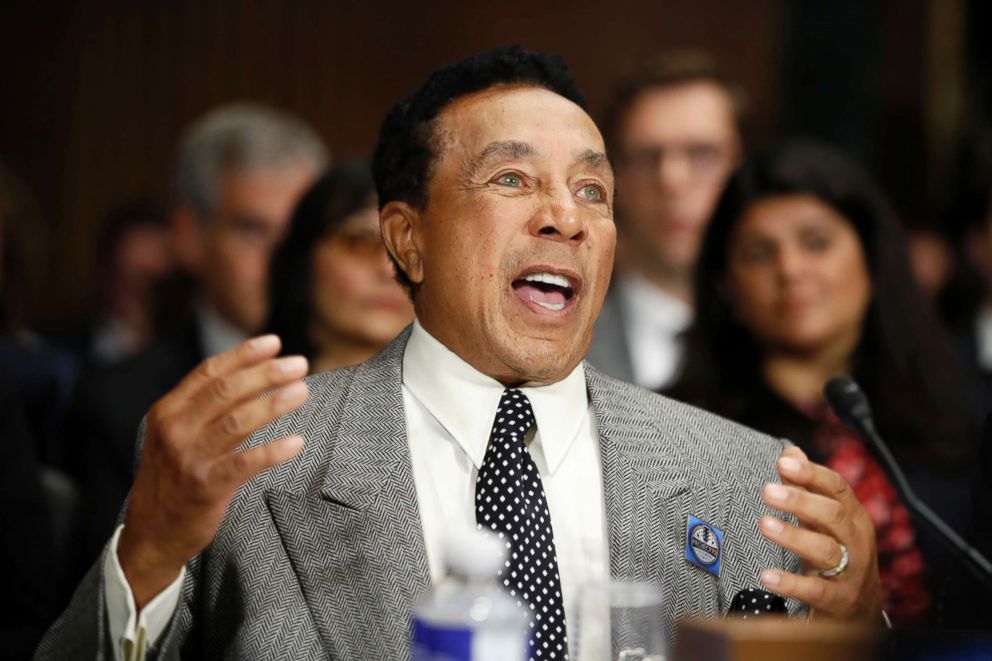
{"x": 852, "y": 284}
{"x": 244, "y": 261}
{"x": 752, "y": 291}
{"x": 339, "y": 277}
{"x": 845, "y": 270}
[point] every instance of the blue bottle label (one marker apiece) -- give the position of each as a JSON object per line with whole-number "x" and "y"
{"x": 434, "y": 643}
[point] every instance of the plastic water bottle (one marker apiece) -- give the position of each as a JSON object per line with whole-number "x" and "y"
{"x": 468, "y": 617}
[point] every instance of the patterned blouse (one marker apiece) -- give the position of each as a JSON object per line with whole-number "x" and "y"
{"x": 900, "y": 562}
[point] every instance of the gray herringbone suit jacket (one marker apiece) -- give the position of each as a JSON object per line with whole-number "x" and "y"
{"x": 324, "y": 557}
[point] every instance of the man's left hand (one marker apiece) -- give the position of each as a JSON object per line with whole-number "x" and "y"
{"x": 831, "y": 517}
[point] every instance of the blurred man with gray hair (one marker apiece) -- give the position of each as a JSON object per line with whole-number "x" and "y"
{"x": 240, "y": 170}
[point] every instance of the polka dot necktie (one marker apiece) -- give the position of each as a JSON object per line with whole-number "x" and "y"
{"x": 509, "y": 499}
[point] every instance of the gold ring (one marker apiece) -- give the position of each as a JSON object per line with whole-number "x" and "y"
{"x": 841, "y": 566}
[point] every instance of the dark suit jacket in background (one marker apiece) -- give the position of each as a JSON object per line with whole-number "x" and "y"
{"x": 324, "y": 557}
{"x": 609, "y": 351}
{"x": 31, "y": 576}
{"x": 109, "y": 405}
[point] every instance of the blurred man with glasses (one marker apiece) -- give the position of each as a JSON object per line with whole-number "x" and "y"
{"x": 673, "y": 131}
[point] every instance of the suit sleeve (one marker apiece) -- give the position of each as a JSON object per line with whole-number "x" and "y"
{"x": 85, "y": 631}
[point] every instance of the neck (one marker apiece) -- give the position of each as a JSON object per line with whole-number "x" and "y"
{"x": 799, "y": 377}
{"x": 677, "y": 283}
{"x": 340, "y": 352}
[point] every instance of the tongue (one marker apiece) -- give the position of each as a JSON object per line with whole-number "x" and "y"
{"x": 550, "y": 296}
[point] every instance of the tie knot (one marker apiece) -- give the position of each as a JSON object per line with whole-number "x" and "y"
{"x": 514, "y": 415}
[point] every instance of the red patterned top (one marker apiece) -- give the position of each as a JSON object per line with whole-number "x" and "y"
{"x": 900, "y": 563}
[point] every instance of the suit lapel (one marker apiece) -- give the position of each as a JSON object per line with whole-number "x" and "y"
{"x": 648, "y": 489}
{"x": 357, "y": 545}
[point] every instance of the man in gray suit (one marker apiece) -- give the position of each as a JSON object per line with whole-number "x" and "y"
{"x": 496, "y": 205}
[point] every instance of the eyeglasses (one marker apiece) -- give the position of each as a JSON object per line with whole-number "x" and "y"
{"x": 702, "y": 160}
{"x": 360, "y": 242}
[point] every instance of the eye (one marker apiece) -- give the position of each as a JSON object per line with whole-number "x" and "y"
{"x": 511, "y": 179}
{"x": 754, "y": 252}
{"x": 816, "y": 242}
{"x": 592, "y": 193}
{"x": 703, "y": 157}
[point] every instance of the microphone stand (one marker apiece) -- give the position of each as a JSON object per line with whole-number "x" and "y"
{"x": 851, "y": 406}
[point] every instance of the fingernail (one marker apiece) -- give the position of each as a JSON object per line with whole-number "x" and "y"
{"x": 776, "y": 492}
{"x": 291, "y": 393}
{"x": 788, "y": 464}
{"x": 265, "y": 342}
{"x": 292, "y": 365}
{"x": 770, "y": 578}
{"x": 771, "y": 524}
{"x": 294, "y": 443}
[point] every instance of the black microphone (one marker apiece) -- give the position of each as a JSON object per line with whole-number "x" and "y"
{"x": 752, "y": 603}
{"x": 850, "y": 404}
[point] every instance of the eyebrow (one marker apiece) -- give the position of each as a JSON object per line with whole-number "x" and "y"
{"x": 500, "y": 150}
{"x": 595, "y": 159}
{"x": 516, "y": 149}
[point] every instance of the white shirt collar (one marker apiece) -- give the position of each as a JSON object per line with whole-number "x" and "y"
{"x": 464, "y": 401}
{"x": 647, "y": 305}
{"x": 216, "y": 333}
{"x": 983, "y": 337}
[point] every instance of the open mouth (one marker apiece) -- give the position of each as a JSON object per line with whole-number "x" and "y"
{"x": 550, "y": 291}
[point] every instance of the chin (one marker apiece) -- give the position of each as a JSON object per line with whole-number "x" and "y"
{"x": 541, "y": 361}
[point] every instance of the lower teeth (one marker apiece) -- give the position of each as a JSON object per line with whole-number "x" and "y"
{"x": 551, "y": 306}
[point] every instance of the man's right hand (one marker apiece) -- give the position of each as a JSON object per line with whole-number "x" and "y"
{"x": 190, "y": 468}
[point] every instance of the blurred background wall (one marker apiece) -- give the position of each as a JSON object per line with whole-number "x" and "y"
{"x": 96, "y": 93}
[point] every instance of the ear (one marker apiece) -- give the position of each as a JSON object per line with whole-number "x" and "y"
{"x": 399, "y": 223}
{"x": 187, "y": 230}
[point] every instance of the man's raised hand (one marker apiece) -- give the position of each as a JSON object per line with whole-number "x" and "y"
{"x": 190, "y": 468}
{"x": 836, "y": 541}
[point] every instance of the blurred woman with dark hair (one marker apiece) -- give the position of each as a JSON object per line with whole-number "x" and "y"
{"x": 334, "y": 298}
{"x": 804, "y": 275}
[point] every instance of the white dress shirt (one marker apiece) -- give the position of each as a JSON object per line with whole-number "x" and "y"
{"x": 983, "y": 337}
{"x": 654, "y": 320}
{"x": 217, "y": 334}
{"x": 449, "y": 408}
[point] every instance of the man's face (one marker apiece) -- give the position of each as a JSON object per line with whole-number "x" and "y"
{"x": 677, "y": 146}
{"x": 252, "y": 214}
{"x": 516, "y": 241}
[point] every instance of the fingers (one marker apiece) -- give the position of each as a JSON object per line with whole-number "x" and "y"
{"x": 231, "y": 428}
{"x": 821, "y": 594}
{"x": 250, "y": 352}
{"x": 218, "y": 397}
{"x": 814, "y": 477}
{"x": 831, "y": 515}
{"x": 819, "y": 512}
{"x": 238, "y": 468}
{"x": 818, "y": 550}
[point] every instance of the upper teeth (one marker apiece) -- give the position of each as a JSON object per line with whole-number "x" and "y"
{"x": 548, "y": 278}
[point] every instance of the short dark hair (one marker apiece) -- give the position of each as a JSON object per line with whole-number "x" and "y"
{"x": 664, "y": 71}
{"x": 342, "y": 191}
{"x": 902, "y": 360}
{"x": 409, "y": 144}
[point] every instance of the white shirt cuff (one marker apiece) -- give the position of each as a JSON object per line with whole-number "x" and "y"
{"x": 133, "y": 633}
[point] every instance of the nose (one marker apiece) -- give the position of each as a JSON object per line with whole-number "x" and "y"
{"x": 790, "y": 263}
{"x": 673, "y": 172}
{"x": 559, "y": 219}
